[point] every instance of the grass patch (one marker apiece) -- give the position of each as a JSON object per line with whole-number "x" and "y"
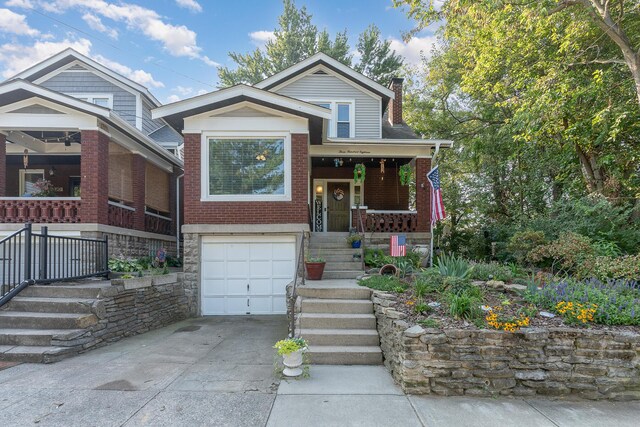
{"x": 383, "y": 283}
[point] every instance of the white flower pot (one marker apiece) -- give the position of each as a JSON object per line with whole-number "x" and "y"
{"x": 292, "y": 364}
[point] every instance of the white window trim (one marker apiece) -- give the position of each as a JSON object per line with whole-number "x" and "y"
{"x": 205, "y": 195}
{"x": 22, "y": 181}
{"x": 90, "y": 97}
{"x": 333, "y": 131}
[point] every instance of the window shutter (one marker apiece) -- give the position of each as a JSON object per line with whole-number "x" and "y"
{"x": 157, "y": 188}
{"x": 120, "y": 173}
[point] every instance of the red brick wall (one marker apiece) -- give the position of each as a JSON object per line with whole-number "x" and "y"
{"x": 380, "y": 194}
{"x": 3, "y": 164}
{"x": 139, "y": 165}
{"x": 395, "y": 105}
{"x": 94, "y": 169}
{"x": 423, "y": 197}
{"x": 293, "y": 212}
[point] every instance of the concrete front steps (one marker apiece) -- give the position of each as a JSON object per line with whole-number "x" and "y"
{"x": 336, "y": 318}
{"x": 342, "y": 262}
{"x": 45, "y": 323}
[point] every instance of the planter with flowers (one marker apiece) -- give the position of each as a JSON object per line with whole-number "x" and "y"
{"x": 291, "y": 350}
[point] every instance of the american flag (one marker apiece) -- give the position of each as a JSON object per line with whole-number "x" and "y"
{"x": 398, "y": 245}
{"x": 437, "y": 205}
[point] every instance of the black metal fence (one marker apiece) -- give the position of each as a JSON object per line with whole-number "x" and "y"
{"x": 27, "y": 257}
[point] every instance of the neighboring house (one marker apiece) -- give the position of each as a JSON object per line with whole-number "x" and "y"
{"x": 264, "y": 164}
{"x": 71, "y": 122}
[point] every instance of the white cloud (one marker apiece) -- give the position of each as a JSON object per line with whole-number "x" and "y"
{"x": 192, "y": 5}
{"x": 18, "y": 57}
{"x": 14, "y": 23}
{"x": 415, "y": 49}
{"x": 260, "y": 38}
{"x": 202, "y": 92}
{"x": 184, "y": 91}
{"x": 25, "y": 4}
{"x": 138, "y": 76}
{"x": 178, "y": 40}
{"x": 172, "y": 98}
{"x": 95, "y": 23}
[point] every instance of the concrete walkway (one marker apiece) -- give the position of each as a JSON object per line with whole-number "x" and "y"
{"x": 219, "y": 371}
{"x": 367, "y": 396}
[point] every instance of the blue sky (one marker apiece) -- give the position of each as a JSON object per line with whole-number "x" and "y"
{"x": 174, "y": 46}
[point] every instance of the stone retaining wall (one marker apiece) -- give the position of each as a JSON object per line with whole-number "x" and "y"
{"x": 130, "y": 307}
{"x": 574, "y": 362}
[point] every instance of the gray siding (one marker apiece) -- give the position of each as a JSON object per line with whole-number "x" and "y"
{"x": 327, "y": 87}
{"x": 149, "y": 125}
{"x": 124, "y": 103}
{"x": 166, "y": 135}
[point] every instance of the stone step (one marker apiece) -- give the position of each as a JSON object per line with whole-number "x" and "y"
{"x": 34, "y": 354}
{"x": 341, "y": 274}
{"x": 50, "y": 305}
{"x": 329, "y": 257}
{"x": 341, "y": 337}
{"x": 337, "y": 321}
{"x": 345, "y": 355}
{"x": 30, "y": 320}
{"x": 343, "y": 265}
{"x": 36, "y": 337}
{"x": 344, "y": 306}
{"x": 322, "y": 252}
{"x": 328, "y": 237}
{"x": 60, "y": 291}
{"x": 317, "y": 289}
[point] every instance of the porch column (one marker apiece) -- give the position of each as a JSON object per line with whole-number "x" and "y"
{"x": 3, "y": 165}
{"x": 139, "y": 175}
{"x": 94, "y": 171}
{"x": 172, "y": 199}
{"x": 423, "y": 194}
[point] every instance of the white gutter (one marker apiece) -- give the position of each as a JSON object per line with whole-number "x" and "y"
{"x": 382, "y": 141}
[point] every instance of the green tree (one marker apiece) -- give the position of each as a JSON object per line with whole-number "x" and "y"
{"x": 377, "y": 60}
{"x": 296, "y": 38}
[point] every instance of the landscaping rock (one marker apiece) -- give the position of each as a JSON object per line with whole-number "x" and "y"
{"x": 547, "y": 314}
{"x": 414, "y": 331}
{"x": 495, "y": 284}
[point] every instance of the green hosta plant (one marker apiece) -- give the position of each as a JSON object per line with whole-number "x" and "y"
{"x": 290, "y": 345}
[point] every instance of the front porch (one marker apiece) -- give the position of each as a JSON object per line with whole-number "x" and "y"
{"x": 379, "y": 205}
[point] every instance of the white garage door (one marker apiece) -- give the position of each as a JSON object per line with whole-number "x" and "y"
{"x": 246, "y": 275}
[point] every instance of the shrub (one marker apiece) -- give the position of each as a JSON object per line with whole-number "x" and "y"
{"x": 421, "y": 308}
{"x": 604, "y": 267}
{"x": 124, "y": 265}
{"x": 405, "y": 267}
{"x": 617, "y": 301}
{"x": 497, "y": 320}
{"x": 565, "y": 254}
{"x": 458, "y": 285}
{"x": 382, "y": 283}
{"x": 450, "y": 265}
{"x": 523, "y": 242}
{"x": 489, "y": 271}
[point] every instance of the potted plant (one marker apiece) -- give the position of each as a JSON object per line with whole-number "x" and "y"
{"x": 44, "y": 188}
{"x": 314, "y": 267}
{"x": 291, "y": 350}
{"x": 355, "y": 240}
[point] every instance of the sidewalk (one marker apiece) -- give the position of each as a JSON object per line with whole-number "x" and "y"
{"x": 367, "y": 396}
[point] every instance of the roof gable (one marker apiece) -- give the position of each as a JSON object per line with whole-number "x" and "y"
{"x": 79, "y": 62}
{"x": 310, "y": 64}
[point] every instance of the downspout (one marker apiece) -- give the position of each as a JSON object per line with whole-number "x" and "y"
{"x": 178, "y": 178}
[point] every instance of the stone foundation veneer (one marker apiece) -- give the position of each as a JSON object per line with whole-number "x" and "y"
{"x": 574, "y": 362}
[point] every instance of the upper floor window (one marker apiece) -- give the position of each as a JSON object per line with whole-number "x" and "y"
{"x": 342, "y": 123}
{"x": 100, "y": 99}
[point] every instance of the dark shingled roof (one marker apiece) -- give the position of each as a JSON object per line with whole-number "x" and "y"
{"x": 402, "y": 131}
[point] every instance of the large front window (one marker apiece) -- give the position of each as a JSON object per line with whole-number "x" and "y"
{"x": 248, "y": 168}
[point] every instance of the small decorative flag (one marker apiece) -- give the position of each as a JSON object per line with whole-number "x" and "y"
{"x": 437, "y": 205}
{"x": 398, "y": 245}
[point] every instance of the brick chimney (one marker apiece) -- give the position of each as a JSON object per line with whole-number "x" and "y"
{"x": 395, "y": 105}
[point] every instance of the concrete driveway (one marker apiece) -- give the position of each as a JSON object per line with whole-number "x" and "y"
{"x": 208, "y": 371}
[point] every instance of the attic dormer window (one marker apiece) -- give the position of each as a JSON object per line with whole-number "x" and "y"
{"x": 100, "y": 99}
{"x": 343, "y": 116}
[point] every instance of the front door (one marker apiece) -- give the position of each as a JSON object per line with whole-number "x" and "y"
{"x": 338, "y": 209}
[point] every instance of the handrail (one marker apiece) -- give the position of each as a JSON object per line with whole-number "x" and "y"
{"x": 364, "y": 235}
{"x": 44, "y": 258}
{"x": 292, "y": 300}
